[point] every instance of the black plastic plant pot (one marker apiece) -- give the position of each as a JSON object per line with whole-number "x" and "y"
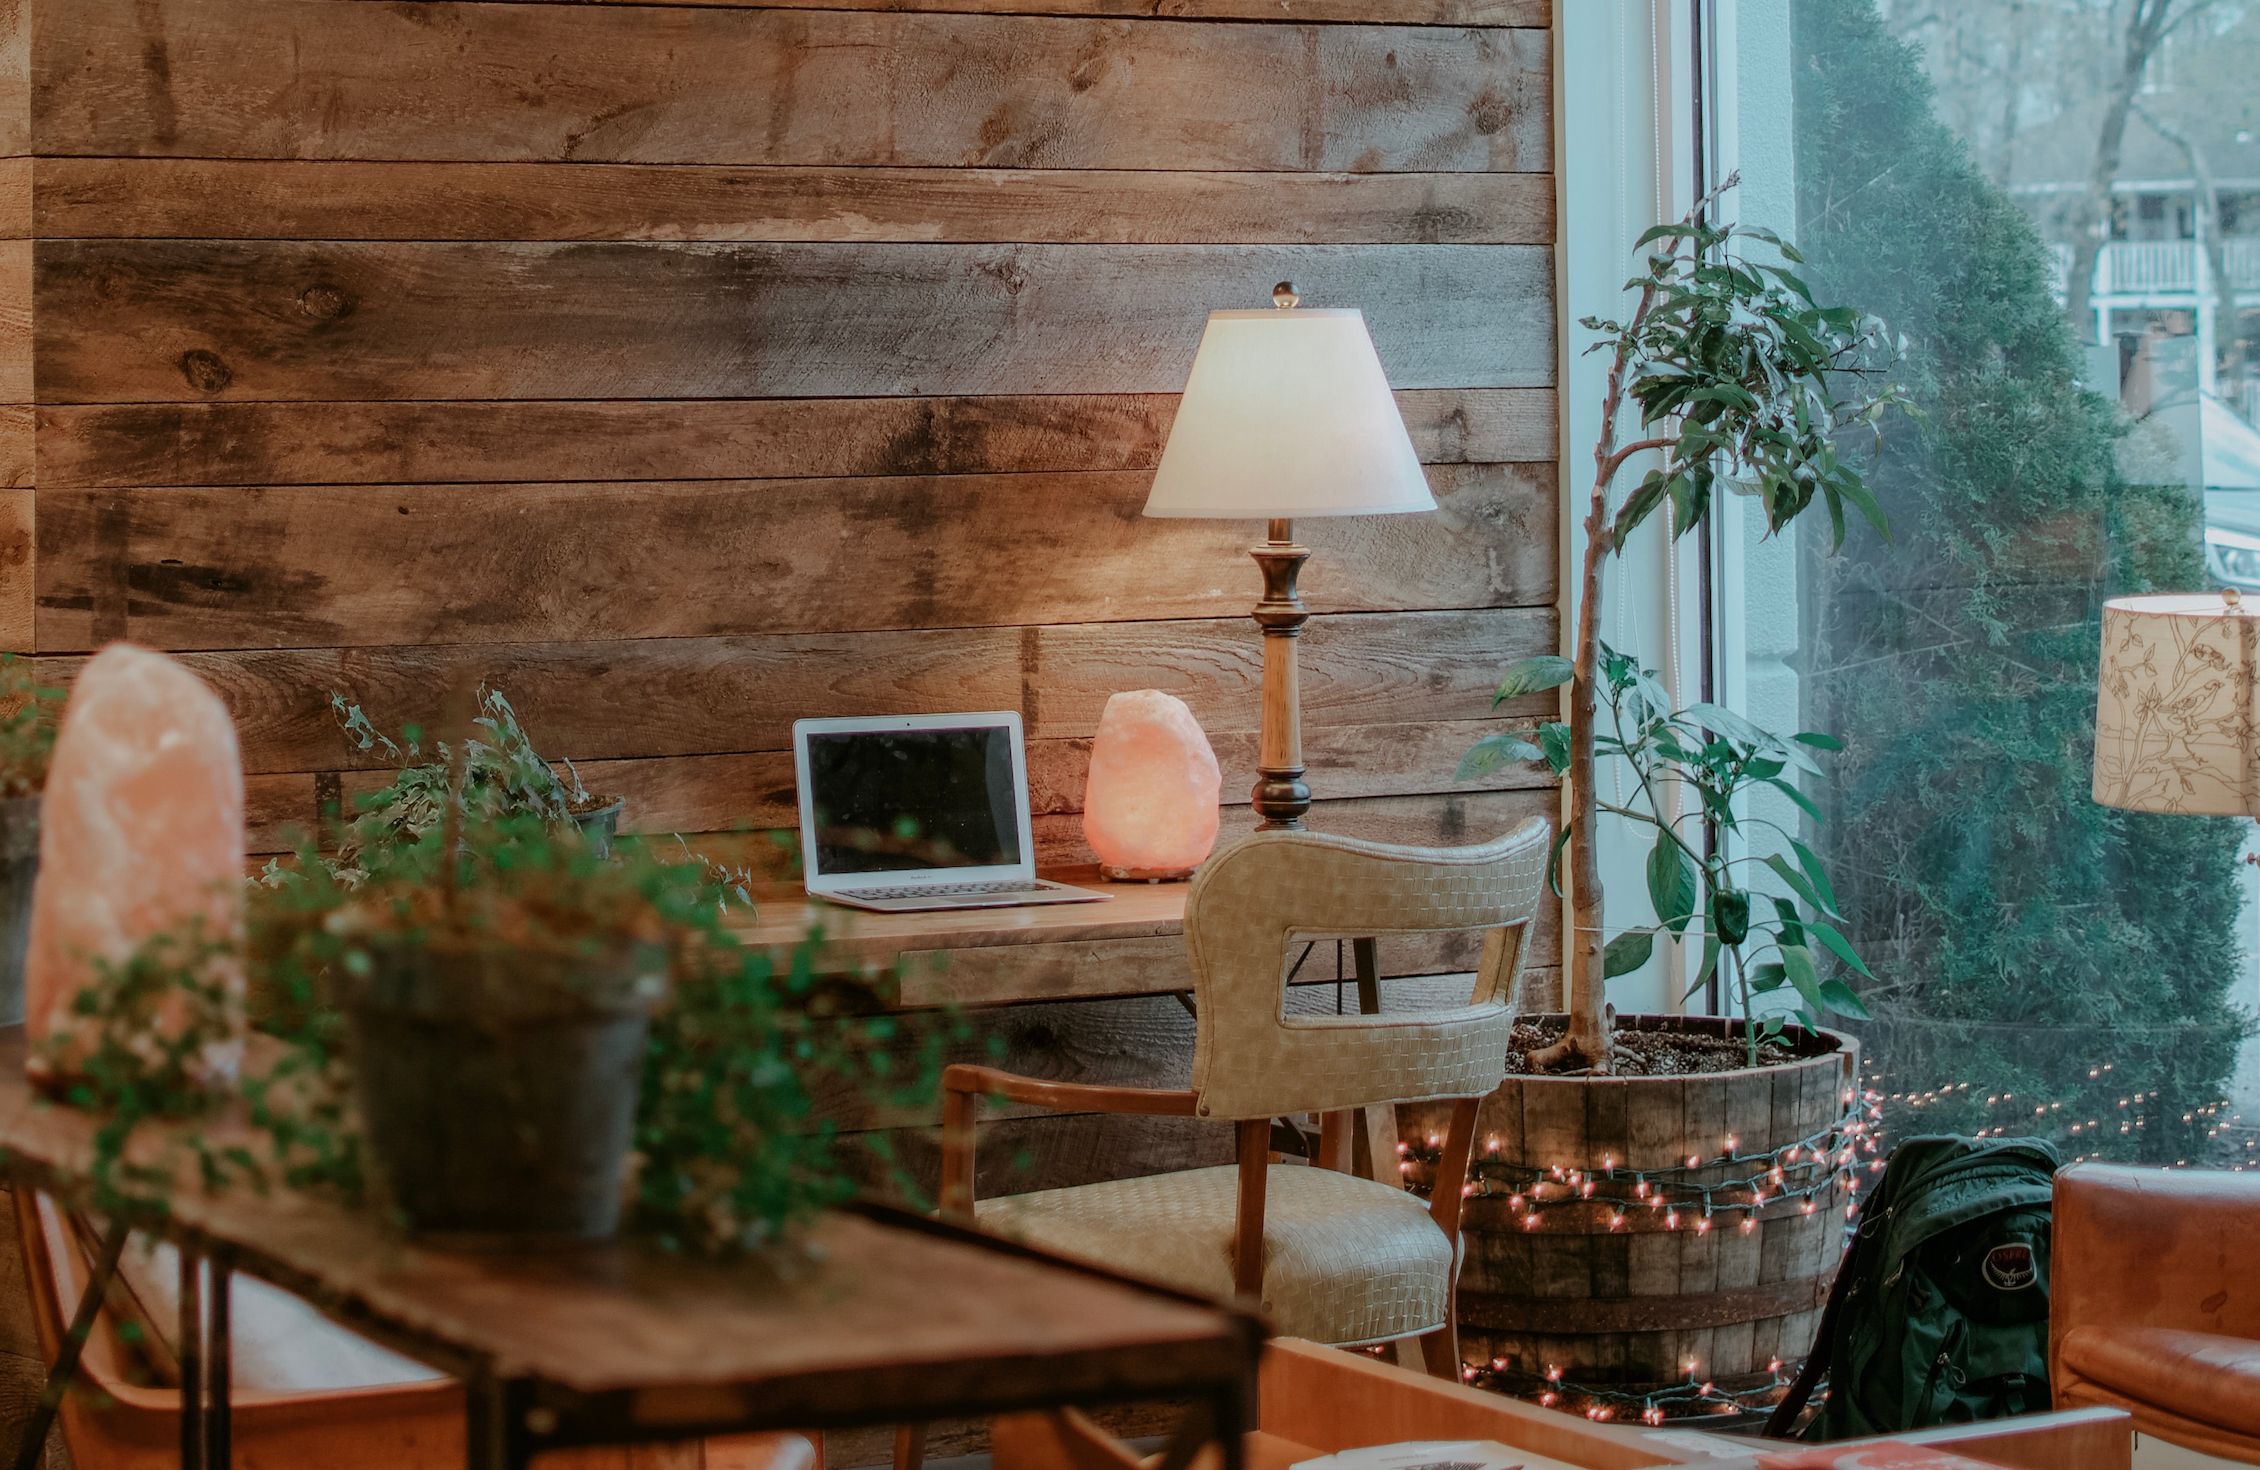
{"x": 498, "y": 1085}
{"x": 599, "y": 825}
{"x": 19, "y": 869}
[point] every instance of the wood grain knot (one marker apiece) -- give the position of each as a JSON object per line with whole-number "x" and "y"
{"x": 204, "y": 370}
{"x": 2213, "y": 1303}
{"x": 325, "y": 303}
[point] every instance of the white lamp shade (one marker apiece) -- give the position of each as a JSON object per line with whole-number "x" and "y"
{"x": 2174, "y": 706}
{"x": 1287, "y": 414}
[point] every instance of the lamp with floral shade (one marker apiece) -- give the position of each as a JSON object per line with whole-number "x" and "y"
{"x": 2174, "y": 704}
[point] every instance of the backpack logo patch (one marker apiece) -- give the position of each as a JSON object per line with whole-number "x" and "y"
{"x": 2009, "y": 1267}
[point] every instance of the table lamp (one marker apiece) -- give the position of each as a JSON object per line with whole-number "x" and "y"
{"x": 1286, "y": 413}
{"x": 2174, "y": 704}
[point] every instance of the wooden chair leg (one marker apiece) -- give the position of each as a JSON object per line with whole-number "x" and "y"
{"x": 910, "y": 1447}
{"x": 1379, "y": 1120}
{"x": 1441, "y": 1348}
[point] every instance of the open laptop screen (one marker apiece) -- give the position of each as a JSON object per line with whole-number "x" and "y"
{"x": 906, "y": 800}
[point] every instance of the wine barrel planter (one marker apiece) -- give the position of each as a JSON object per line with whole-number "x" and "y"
{"x": 1609, "y": 1288}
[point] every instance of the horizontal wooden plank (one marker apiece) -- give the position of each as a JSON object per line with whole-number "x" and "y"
{"x": 187, "y": 321}
{"x": 325, "y": 566}
{"x": 710, "y": 793}
{"x": 15, "y": 78}
{"x": 15, "y": 192}
{"x": 18, "y": 537}
{"x": 17, "y": 454}
{"x": 1411, "y": 821}
{"x": 15, "y": 321}
{"x": 658, "y": 84}
{"x": 1340, "y": 12}
{"x": 689, "y": 439}
{"x": 295, "y": 199}
{"x": 1367, "y": 669}
{"x": 700, "y": 696}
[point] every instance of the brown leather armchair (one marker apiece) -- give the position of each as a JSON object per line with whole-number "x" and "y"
{"x": 2155, "y": 1302}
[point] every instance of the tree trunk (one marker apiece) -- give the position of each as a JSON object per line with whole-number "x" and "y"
{"x": 1588, "y": 987}
{"x": 2228, "y": 321}
{"x": 2091, "y": 216}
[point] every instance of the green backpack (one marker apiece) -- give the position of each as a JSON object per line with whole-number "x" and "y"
{"x": 1940, "y": 1310}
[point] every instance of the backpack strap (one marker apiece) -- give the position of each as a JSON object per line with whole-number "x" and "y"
{"x": 1816, "y": 1363}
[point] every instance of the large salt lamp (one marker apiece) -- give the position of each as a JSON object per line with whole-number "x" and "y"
{"x": 141, "y": 834}
{"x": 1150, "y": 807}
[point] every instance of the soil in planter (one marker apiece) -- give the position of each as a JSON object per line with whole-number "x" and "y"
{"x": 1643, "y": 1053}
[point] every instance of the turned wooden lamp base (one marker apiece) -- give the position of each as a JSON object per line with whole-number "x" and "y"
{"x": 1280, "y": 796}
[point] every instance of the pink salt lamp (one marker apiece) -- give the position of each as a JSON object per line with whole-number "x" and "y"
{"x": 141, "y": 834}
{"x": 1150, "y": 808}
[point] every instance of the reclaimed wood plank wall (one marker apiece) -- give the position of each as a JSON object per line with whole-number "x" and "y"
{"x": 685, "y": 369}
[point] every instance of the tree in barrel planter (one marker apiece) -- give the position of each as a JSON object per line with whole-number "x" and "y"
{"x": 1742, "y": 380}
{"x": 1640, "y": 1155}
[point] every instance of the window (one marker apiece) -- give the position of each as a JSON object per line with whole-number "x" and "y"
{"x": 2043, "y": 964}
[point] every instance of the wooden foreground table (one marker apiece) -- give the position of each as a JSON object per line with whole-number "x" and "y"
{"x": 886, "y": 1318}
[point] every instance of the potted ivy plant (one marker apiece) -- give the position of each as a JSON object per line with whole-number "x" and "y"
{"x": 503, "y": 775}
{"x": 27, "y": 738}
{"x": 497, "y": 980}
{"x": 1612, "y": 1129}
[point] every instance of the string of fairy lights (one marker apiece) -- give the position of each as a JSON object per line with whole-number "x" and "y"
{"x": 1738, "y": 1188}
{"x": 1695, "y": 1397}
{"x": 2061, "y": 1119}
{"x": 1731, "y": 1186}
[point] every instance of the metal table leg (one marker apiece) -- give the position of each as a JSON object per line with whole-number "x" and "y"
{"x": 188, "y": 1349}
{"x": 219, "y": 1427}
{"x": 74, "y": 1342}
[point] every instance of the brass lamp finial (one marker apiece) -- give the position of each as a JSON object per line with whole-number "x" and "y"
{"x": 2230, "y": 597}
{"x": 1283, "y": 295}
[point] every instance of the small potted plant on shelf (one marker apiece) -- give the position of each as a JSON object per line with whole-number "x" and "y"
{"x": 496, "y": 976}
{"x": 503, "y": 775}
{"x": 27, "y": 738}
{"x": 1750, "y": 1128}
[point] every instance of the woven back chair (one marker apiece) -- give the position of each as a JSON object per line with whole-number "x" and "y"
{"x": 1331, "y": 1257}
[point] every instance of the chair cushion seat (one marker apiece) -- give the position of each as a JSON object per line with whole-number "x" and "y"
{"x": 1345, "y": 1260}
{"x": 2198, "y": 1375}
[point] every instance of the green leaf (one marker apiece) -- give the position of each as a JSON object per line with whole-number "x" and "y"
{"x": 1638, "y": 506}
{"x": 1627, "y": 952}
{"x": 1803, "y": 801}
{"x": 1546, "y": 671}
{"x": 1797, "y": 963}
{"x": 1767, "y": 977}
{"x": 1818, "y": 741}
{"x": 1553, "y": 738}
{"x": 1710, "y": 963}
{"x": 1554, "y": 859}
{"x": 1829, "y": 935}
{"x": 1797, "y": 884}
{"x": 1811, "y": 863}
{"x": 1492, "y": 752}
{"x": 1792, "y": 928}
{"x": 1838, "y": 997}
{"x": 1671, "y": 883}
{"x": 1733, "y": 726}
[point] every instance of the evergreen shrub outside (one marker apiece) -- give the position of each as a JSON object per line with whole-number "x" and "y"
{"x": 2035, "y": 951}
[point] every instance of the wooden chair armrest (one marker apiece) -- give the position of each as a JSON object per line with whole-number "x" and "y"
{"x": 963, "y": 1087}
{"x": 1078, "y": 1097}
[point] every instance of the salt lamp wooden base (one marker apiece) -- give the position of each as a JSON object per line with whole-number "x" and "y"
{"x": 1145, "y": 875}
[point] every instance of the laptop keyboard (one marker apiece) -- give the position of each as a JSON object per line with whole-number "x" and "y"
{"x": 951, "y": 890}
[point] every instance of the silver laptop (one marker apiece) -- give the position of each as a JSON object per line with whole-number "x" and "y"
{"x": 919, "y": 812}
